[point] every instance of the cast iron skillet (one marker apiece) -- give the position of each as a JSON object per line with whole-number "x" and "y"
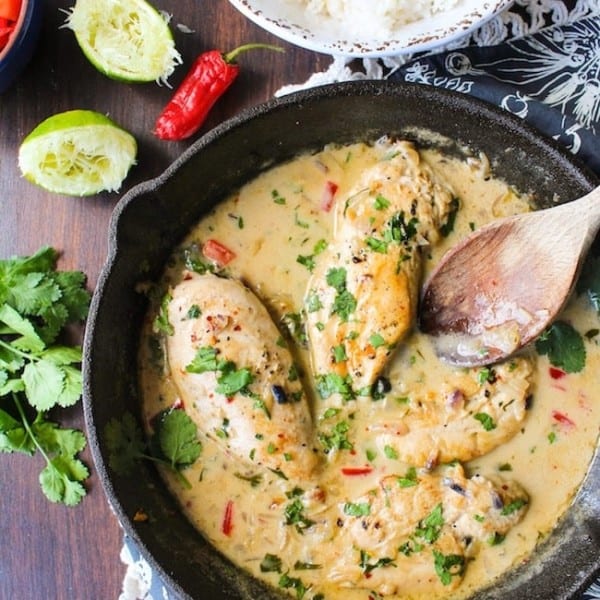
{"x": 153, "y": 217}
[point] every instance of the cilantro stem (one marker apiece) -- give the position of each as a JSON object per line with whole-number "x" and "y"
{"x": 11, "y": 348}
{"x": 28, "y": 428}
{"x": 178, "y": 474}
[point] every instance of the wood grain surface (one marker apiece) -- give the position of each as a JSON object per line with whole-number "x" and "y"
{"x": 48, "y": 551}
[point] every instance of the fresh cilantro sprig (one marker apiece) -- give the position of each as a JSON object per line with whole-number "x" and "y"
{"x": 37, "y": 373}
{"x": 175, "y": 443}
{"x": 564, "y": 346}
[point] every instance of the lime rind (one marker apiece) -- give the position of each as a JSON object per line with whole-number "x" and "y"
{"x": 127, "y": 40}
{"x": 77, "y": 153}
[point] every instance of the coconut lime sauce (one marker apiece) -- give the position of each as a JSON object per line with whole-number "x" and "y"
{"x": 275, "y": 225}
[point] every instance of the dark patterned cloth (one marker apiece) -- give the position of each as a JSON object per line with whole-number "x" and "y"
{"x": 551, "y": 79}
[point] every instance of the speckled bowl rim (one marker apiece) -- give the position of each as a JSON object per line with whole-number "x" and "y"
{"x": 294, "y": 26}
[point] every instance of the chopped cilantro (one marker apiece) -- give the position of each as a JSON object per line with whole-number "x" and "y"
{"x": 367, "y": 567}
{"x": 204, "y": 360}
{"x": 486, "y": 421}
{"x": 448, "y": 566}
{"x": 357, "y": 509}
{"x": 513, "y": 507}
{"x": 277, "y": 197}
{"x": 332, "y": 383}
{"x": 253, "y": 480}
{"x": 410, "y": 478}
{"x": 430, "y": 527}
{"x": 339, "y": 353}
{"x": 381, "y": 203}
{"x": 287, "y": 582}
{"x": 336, "y": 438}
{"x": 448, "y": 227}
{"x": 161, "y": 321}
{"x": 294, "y": 511}
{"x": 193, "y": 312}
{"x": 271, "y": 563}
{"x": 390, "y": 452}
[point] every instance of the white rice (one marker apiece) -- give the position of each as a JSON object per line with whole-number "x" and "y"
{"x": 376, "y": 18}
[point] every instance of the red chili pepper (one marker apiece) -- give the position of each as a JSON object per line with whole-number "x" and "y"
{"x": 356, "y": 470}
{"x": 208, "y": 79}
{"x": 217, "y": 252}
{"x": 328, "y": 195}
{"x": 556, "y": 373}
{"x": 227, "y": 523}
{"x": 562, "y": 419}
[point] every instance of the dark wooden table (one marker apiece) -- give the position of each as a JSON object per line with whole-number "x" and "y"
{"x": 48, "y": 551}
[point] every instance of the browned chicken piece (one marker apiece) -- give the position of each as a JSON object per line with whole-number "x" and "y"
{"x": 361, "y": 298}
{"x": 415, "y": 532}
{"x": 236, "y": 377}
{"x": 464, "y": 422}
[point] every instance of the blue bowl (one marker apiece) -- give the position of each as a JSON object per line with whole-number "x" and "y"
{"x": 19, "y": 50}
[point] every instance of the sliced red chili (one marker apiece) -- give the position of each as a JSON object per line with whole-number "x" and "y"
{"x": 328, "y": 196}
{"x": 227, "y": 523}
{"x": 561, "y": 418}
{"x": 556, "y": 373}
{"x": 357, "y": 470}
{"x": 210, "y": 76}
{"x": 217, "y": 252}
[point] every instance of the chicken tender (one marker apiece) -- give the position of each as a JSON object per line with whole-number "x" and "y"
{"x": 234, "y": 376}
{"x": 361, "y": 299}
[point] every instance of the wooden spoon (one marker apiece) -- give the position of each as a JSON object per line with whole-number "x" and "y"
{"x": 499, "y": 288}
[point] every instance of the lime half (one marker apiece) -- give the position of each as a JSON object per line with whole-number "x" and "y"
{"x": 77, "y": 153}
{"x": 128, "y": 40}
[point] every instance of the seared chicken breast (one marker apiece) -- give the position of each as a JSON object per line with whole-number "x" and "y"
{"x": 423, "y": 527}
{"x": 236, "y": 377}
{"x": 361, "y": 298}
{"x": 467, "y": 418}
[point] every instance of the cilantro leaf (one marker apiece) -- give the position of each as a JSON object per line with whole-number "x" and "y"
{"x": 448, "y": 566}
{"x": 177, "y": 435}
{"x": 564, "y": 346}
{"x": 36, "y": 302}
{"x": 60, "y": 481}
{"x": 175, "y": 443}
{"x": 125, "y": 443}
{"x": 44, "y": 382}
{"x": 204, "y": 360}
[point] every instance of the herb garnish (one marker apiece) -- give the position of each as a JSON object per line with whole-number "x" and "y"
{"x": 175, "y": 443}
{"x": 36, "y": 303}
{"x": 344, "y": 303}
{"x": 564, "y": 346}
{"x": 448, "y": 566}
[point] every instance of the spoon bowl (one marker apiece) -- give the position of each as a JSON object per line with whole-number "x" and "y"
{"x": 499, "y": 288}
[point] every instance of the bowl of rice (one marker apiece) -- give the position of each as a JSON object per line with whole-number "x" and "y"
{"x": 369, "y": 29}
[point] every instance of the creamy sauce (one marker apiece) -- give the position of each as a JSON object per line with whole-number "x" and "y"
{"x": 268, "y": 224}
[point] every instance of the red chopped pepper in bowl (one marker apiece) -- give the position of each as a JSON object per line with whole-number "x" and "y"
{"x": 20, "y": 23}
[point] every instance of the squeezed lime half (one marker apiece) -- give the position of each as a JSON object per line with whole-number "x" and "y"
{"x": 127, "y": 40}
{"x": 77, "y": 153}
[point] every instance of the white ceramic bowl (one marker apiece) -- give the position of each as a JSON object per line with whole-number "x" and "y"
{"x": 289, "y": 21}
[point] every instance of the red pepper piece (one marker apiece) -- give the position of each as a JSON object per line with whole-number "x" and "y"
{"x": 556, "y": 373}
{"x": 227, "y": 523}
{"x": 356, "y": 470}
{"x": 217, "y": 252}
{"x": 328, "y": 196}
{"x": 563, "y": 419}
{"x": 208, "y": 79}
